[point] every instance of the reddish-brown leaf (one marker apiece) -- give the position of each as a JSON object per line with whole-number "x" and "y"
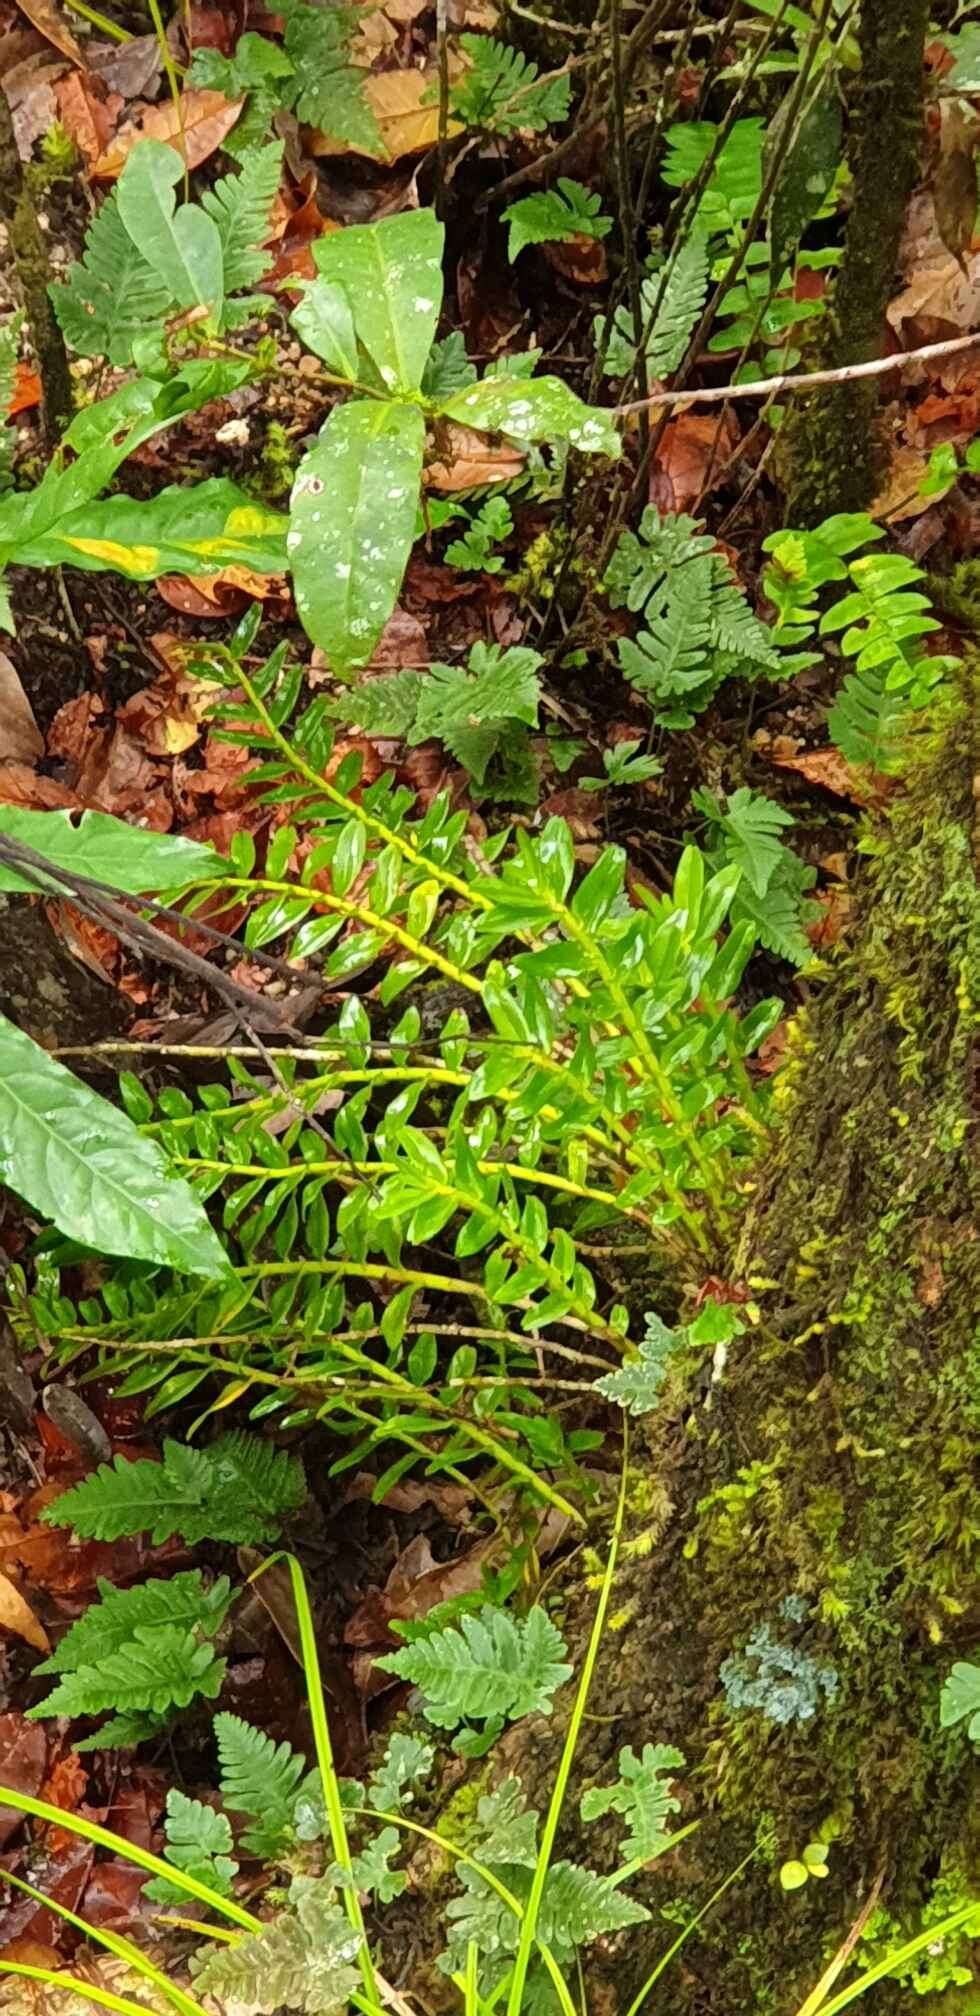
{"x": 23, "y": 1762}
{"x": 17, "y": 1617}
{"x": 74, "y": 726}
{"x": 195, "y": 127}
{"x": 21, "y": 740}
{"x": 50, "y": 22}
{"x": 691, "y": 458}
{"x": 26, "y": 392}
{"x": 89, "y": 117}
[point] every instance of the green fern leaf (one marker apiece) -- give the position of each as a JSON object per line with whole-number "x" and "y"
{"x": 506, "y": 1827}
{"x": 642, "y": 1795}
{"x": 867, "y": 722}
{"x": 751, "y": 823}
{"x": 385, "y": 705}
{"x": 491, "y": 1665}
{"x": 670, "y": 314}
{"x": 735, "y": 182}
{"x": 329, "y": 90}
{"x": 263, "y": 1779}
{"x": 469, "y": 710}
{"x": 302, "y": 1959}
{"x": 578, "y": 1906}
{"x": 110, "y": 1623}
{"x": 123, "y": 1732}
{"x": 406, "y": 1760}
{"x": 737, "y": 631}
{"x": 372, "y": 1871}
{"x": 780, "y": 916}
{"x": 636, "y": 1385}
{"x": 113, "y": 295}
{"x": 447, "y": 370}
{"x": 240, "y": 205}
{"x": 198, "y": 1842}
{"x": 672, "y": 655}
{"x": 160, "y": 1667}
{"x": 239, "y": 1490}
{"x": 501, "y": 92}
{"x": 643, "y": 562}
{"x": 552, "y": 216}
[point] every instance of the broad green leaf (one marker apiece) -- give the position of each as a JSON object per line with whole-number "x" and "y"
{"x": 183, "y": 246}
{"x": 82, "y": 1165}
{"x": 534, "y": 409}
{"x": 961, "y": 1698}
{"x": 352, "y": 522}
{"x": 130, "y": 858}
{"x": 325, "y": 321}
{"x": 392, "y": 274}
{"x": 194, "y": 531}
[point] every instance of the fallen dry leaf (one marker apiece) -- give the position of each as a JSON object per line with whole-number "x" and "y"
{"x": 29, "y": 90}
{"x": 87, "y": 117}
{"x": 900, "y": 496}
{"x": 195, "y": 126}
{"x": 23, "y": 1762}
{"x": 466, "y": 460}
{"x": 131, "y": 68}
{"x": 17, "y": 1617}
{"x": 21, "y": 740}
{"x": 26, "y": 392}
{"x": 837, "y": 906}
{"x": 50, "y": 22}
{"x": 20, "y": 785}
{"x": 165, "y": 718}
{"x": 831, "y": 770}
{"x": 407, "y": 121}
{"x": 691, "y": 458}
{"x": 954, "y": 181}
{"x": 581, "y": 259}
{"x": 941, "y": 297}
{"x": 223, "y": 594}
{"x": 73, "y": 726}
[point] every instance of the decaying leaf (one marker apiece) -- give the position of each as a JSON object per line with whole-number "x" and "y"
{"x": 941, "y": 294}
{"x": 195, "y": 126}
{"x": 49, "y": 21}
{"x": 17, "y": 1617}
{"x": 405, "y": 104}
{"x": 954, "y": 183}
{"x": 466, "y": 460}
{"x": 21, "y": 740}
{"x": 88, "y": 118}
{"x": 692, "y": 457}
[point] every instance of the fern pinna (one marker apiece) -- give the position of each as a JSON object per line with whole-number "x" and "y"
{"x": 409, "y": 1208}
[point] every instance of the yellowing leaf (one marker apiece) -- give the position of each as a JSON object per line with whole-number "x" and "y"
{"x": 408, "y": 122}
{"x": 17, "y": 1616}
{"x": 124, "y": 559}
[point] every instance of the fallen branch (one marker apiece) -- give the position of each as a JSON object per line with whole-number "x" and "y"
{"x": 804, "y": 381}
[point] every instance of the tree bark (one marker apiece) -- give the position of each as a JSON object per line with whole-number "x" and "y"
{"x": 32, "y": 268}
{"x": 833, "y": 447}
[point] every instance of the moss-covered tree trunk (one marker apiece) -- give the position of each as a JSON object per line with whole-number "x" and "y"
{"x": 819, "y": 1498}
{"x": 31, "y": 267}
{"x": 833, "y": 448}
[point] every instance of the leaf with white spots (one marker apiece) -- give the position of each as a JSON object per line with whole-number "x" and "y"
{"x": 391, "y": 273}
{"x": 534, "y": 409}
{"x": 352, "y": 522}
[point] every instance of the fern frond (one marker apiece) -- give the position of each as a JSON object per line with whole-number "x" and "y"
{"x": 159, "y": 1668}
{"x": 372, "y": 1871}
{"x": 733, "y": 186}
{"x": 553, "y": 216}
{"x": 468, "y": 709}
{"x": 672, "y": 655}
{"x": 198, "y": 1841}
{"x": 406, "y": 1760}
{"x": 737, "y": 631}
{"x": 302, "y": 1959}
{"x": 501, "y": 92}
{"x": 488, "y": 1666}
{"x": 110, "y": 1623}
{"x": 263, "y": 1779}
{"x": 636, "y": 1385}
{"x": 751, "y": 823}
{"x": 240, "y": 205}
{"x": 683, "y": 299}
{"x": 112, "y": 295}
{"x": 867, "y": 722}
{"x": 578, "y": 1906}
{"x": 642, "y": 1794}
{"x": 239, "y": 1490}
{"x": 385, "y": 705}
{"x": 643, "y": 561}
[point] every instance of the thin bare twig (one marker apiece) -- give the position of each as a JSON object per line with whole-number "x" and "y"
{"x": 804, "y": 381}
